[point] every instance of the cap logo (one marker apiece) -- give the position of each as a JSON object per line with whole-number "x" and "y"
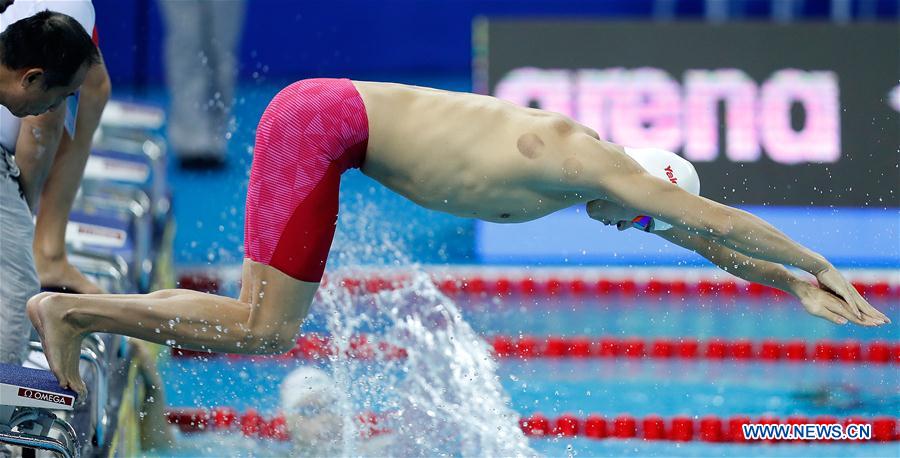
{"x": 671, "y": 174}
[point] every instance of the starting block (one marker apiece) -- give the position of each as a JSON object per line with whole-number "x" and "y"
{"x": 28, "y": 398}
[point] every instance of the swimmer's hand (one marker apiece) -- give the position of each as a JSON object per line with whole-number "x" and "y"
{"x": 830, "y": 280}
{"x": 825, "y": 305}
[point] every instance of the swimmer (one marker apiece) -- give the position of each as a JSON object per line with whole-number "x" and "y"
{"x": 465, "y": 154}
{"x": 309, "y": 400}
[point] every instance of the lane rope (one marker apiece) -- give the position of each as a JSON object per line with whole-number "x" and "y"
{"x": 709, "y": 428}
{"x": 312, "y": 346}
{"x": 500, "y": 284}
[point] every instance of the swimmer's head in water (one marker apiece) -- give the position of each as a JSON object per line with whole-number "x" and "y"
{"x": 309, "y": 401}
{"x": 49, "y": 54}
{"x": 661, "y": 164}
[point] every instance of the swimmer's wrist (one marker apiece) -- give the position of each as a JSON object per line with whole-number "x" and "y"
{"x": 798, "y": 287}
{"x": 822, "y": 267}
{"x": 814, "y": 264}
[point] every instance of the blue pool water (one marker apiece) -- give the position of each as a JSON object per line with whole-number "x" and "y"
{"x": 616, "y": 386}
{"x": 700, "y": 317}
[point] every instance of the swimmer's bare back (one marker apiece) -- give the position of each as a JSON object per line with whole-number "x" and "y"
{"x": 475, "y": 156}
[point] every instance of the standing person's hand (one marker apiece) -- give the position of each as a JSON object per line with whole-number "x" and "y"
{"x": 60, "y": 273}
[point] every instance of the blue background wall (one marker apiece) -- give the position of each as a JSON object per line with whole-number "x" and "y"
{"x": 288, "y": 39}
{"x": 293, "y": 38}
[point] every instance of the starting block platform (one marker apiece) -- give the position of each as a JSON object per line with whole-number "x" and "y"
{"x": 24, "y": 387}
{"x": 28, "y": 400}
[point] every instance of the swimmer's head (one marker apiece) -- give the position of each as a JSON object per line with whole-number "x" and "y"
{"x": 661, "y": 164}
{"x": 309, "y": 401}
{"x": 48, "y": 55}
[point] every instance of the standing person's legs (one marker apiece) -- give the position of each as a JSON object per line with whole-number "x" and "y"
{"x": 226, "y": 20}
{"x": 18, "y": 278}
{"x": 187, "y": 77}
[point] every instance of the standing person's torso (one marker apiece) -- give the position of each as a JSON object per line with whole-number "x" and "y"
{"x": 81, "y": 10}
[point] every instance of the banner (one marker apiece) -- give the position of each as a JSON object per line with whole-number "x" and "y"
{"x": 770, "y": 114}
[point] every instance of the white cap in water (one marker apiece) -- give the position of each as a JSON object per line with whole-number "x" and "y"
{"x": 305, "y": 386}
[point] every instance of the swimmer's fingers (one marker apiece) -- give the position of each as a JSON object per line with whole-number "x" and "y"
{"x": 836, "y": 306}
{"x": 830, "y": 316}
{"x": 867, "y": 309}
{"x": 868, "y": 313}
{"x": 825, "y": 305}
{"x": 832, "y": 281}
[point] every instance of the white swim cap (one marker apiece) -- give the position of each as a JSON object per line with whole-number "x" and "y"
{"x": 307, "y": 385}
{"x": 670, "y": 167}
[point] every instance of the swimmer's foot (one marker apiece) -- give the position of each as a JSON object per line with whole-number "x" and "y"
{"x": 60, "y": 338}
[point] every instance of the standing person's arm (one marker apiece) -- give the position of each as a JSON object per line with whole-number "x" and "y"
{"x": 62, "y": 184}
{"x": 39, "y": 139}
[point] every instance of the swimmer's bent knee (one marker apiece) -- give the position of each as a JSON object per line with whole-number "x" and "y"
{"x": 37, "y": 298}
{"x": 270, "y": 340}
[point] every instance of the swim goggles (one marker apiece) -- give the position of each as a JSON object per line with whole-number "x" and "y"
{"x": 644, "y": 223}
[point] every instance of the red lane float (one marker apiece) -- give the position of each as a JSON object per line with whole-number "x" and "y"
{"x": 504, "y": 284}
{"x": 710, "y": 428}
{"x": 314, "y": 346}
{"x": 848, "y": 351}
{"x": 654, "y": 428}
{"x": 252, "y": 424}
{"x": 624, "y": 427}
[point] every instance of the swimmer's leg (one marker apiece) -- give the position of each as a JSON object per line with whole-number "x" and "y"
{"x": 155, "y": 430}
{"x": 263, "y": 320}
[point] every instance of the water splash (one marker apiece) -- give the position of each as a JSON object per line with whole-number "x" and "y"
{"x": 444, "y": 397}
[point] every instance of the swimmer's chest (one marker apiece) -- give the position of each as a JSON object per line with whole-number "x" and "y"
{"x": 498, "y": 200}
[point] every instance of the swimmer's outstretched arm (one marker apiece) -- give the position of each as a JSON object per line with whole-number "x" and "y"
{"x": 616, "y": 177}
{"x": 816, "y": 301}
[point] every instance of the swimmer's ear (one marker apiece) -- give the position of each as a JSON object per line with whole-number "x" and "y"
{"x": 623, "y": 225}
